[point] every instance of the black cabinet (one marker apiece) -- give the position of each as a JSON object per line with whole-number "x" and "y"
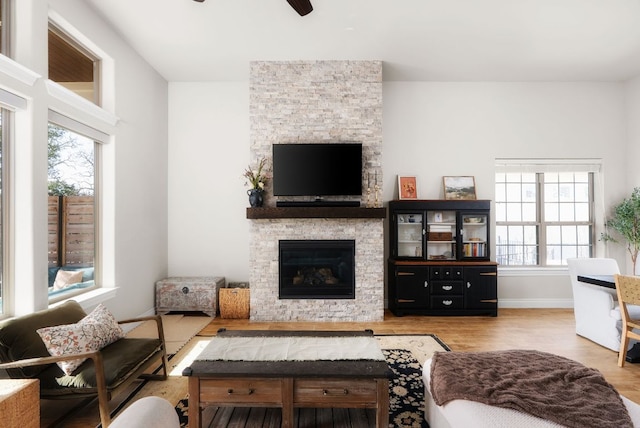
{"x": 439, "y": 259}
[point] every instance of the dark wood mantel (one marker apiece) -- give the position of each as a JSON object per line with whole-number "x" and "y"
{"x": 315, "y": 212}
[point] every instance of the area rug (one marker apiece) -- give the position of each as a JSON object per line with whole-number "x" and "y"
{"x": 178, "y": 329}
{"x": 405, "y": 355}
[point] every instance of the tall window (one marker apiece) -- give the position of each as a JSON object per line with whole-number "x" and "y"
{"x": 72, "y": 226}
{"x": 5, "y": 27}
{"x": 3, "y": 284}
{"x": 544, "y": 218}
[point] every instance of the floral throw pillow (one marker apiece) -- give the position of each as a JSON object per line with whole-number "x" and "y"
{"x": 91, "y": 333}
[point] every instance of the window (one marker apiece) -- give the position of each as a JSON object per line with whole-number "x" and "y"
{"x": 4, "y": 129}
{"x": 71, "y": 204}
{"x": 73, "y": 66}
{"x": 5, "y": 27}
{"x": 544, "y": 217}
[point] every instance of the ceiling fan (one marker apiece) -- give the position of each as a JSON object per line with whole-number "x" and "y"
{"x": 303, "y": 7}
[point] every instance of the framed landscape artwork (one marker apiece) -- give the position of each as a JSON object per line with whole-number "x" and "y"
{"x": 459, "y": 188}
{"x": 407, "y": 188}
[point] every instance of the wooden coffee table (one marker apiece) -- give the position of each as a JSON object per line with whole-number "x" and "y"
{"x": 315, "y": 382}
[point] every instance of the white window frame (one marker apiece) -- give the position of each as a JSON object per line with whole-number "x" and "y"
{"x": 590, "y": 165}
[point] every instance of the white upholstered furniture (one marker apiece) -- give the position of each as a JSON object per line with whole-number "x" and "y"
{"x": 465, "y": 413}
{"x": 147, "y": 412}
{"x": 596, "y": 308}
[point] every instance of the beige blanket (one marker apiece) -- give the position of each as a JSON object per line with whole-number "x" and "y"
{"x": 292, "y": 348}
{"x": 541, "y": 384}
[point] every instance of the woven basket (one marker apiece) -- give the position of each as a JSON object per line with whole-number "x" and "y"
{"x": 234, "y": 303}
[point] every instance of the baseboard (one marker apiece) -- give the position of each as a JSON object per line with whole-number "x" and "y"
{"x": 535, "y": 303}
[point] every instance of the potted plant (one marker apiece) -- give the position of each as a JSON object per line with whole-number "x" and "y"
{"x": 626, "y": 223}
{"x": 256, "y": 179}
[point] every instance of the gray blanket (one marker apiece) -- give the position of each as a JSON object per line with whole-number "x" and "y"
{"x": 544, "y": 385}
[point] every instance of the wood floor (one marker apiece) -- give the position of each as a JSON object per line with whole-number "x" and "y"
{"x": 548, "y": 330}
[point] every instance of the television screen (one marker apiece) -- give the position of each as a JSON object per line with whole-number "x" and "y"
{"x": 317, "y": 169}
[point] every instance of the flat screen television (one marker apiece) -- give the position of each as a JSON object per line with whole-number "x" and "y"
{"x": 318, "y": 170}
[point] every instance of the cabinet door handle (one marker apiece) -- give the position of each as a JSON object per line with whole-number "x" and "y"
{"x": 447, "y": 302}
{"x": 447, "y": 287}
{"x": 405, "y": 301}
{"x": 489, "y": 301}
{"x": 426, "y": 284}
{"x": 405, "y": 273}
{"x": 468, "y": 284}
{"x": 488, "y": 273}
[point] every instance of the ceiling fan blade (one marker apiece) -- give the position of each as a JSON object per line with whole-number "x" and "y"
{"x": 303, "y": 7}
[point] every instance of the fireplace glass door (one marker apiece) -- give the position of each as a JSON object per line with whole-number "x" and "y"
{"x": 317, "y": 269}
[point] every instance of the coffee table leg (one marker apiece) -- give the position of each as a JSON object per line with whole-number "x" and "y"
{"x": 195, "y": 412}
{"x": 287, "y": 403}
{"x": 382, "y": 409}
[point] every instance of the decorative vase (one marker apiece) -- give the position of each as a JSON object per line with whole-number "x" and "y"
{"x": 255, "y": 197}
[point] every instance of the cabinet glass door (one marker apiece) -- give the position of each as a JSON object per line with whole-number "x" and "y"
{"x": 410, "y": 227}
{"x": 441, "y": 235}
{"x": 474, "y": 232}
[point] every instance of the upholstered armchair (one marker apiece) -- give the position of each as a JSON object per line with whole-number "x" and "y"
{"x": 101, "y": 373}
{"x": 596, "y": 308}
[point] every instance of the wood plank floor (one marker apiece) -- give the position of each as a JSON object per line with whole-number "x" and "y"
{"x": 548, "y": 330}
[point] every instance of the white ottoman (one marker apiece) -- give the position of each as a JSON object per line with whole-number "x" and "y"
{"x": 148, "y": 412}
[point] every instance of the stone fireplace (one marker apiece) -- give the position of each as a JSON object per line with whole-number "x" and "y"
{"x": 317, "y": 101}
{"x": 368, "y": 238}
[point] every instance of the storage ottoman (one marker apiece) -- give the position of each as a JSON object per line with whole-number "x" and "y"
{"x": 189, "y": 293}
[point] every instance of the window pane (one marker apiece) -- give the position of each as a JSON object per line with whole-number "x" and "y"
{"x": 569, "y": 235}
{"x": 500, "y": 192}
{"x": 71, "y": 204}
{"x": 529, "y": 193}
{"x": 551, "y": 212}
{"x": 514, "y": 212}
{"x": 514, "y": 192}
{"x": 582, "y": 192}
{"x": 566, "y": 212}
{"x": 501, "y": 211}
{"x": 554, "y": 236}
{"x": 72, "y": 66}
{"x": 551, "y": 192}
{"x": 566, "y": 192}
{"x": 529, "y": 212}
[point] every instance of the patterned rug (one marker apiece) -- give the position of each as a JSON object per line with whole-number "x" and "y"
{"x": 406, "y": 389}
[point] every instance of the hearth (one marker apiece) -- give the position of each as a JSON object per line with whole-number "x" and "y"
{"x": 316, "y": 269}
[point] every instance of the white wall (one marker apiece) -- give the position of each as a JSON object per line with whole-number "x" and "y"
{"x": 633, "y": 146}
{"x": 208, "y": 152}
{"x": 134, "y": 212}
{"x": 430, "y": 129}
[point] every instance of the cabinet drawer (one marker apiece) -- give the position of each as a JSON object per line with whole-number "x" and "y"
{"x": 447, "y": 302}
{"x": 441, "y": 273}
{"x": 334, "y": 392}
{"x": 239, "y": 391}
{"x": 447, "y": 287}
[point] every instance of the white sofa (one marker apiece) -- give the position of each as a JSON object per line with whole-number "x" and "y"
{"x": 596, "y": 308}
{"x": 465, "y": 413}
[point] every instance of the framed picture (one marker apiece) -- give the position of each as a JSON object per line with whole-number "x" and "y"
{"x": 458, "y": 188}
{"x": 407, "y": 188}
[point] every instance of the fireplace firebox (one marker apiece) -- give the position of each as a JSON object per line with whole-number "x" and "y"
{"x": 317, "y": 269}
